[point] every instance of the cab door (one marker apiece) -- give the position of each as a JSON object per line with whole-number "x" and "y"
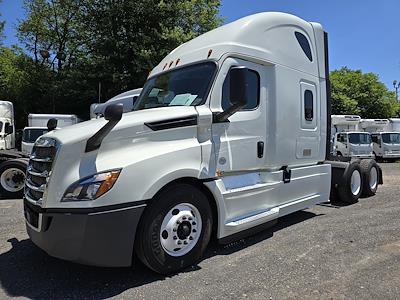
{"x": 239, "y": 142}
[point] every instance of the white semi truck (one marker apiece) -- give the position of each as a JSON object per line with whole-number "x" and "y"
{"x": 37, "y": 126}
{"x": 7, "y": 126}
{"x": 230, "y": 132}
{"x": 386, "y": 141}
{"x": 348, "y": 139}
{"x": 12, "y": 163}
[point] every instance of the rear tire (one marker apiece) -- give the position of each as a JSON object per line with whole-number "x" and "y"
{"x": 370, "y": 172}
{"x": 175, "y": 229}
{"x": 351, "y": 184}
{"x": 12, "y": 178}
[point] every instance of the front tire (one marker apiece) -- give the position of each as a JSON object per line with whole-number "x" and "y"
{"x": 12, "y": 178}
{"x": 369, "y": 169}
{"x": 175, "y": 229}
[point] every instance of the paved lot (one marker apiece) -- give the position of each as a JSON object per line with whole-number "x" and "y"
{"x": 324, "y": 252}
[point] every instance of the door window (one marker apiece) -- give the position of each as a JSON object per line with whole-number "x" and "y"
{"x": 253, "y": 91}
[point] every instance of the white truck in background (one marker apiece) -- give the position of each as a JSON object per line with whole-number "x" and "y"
{"x": 347, "y": 138}
{"x": 7, "y": 126}
{"x": 127, "y": 99}
{"x": 37, "y": 126}
{"x": 394, "y": 124}
{"x": 230, "y": 133}
{"x": 386, "y": 141}
{"x": 13, "y": 164}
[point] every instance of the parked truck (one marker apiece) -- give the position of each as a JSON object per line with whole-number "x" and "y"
{"x": 7, "y": 126}
{"x": 12, "y": 162}
{"x": 348, "y": 139}
{"x": 394, "y": 124}
{"x": 127, "y": 99}
{"x": 37, "y": 126}
{"x": 230, "y": 133}
{"x": 386, "y": 141}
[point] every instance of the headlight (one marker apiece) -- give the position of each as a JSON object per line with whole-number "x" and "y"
{"x": 90, "y": 188}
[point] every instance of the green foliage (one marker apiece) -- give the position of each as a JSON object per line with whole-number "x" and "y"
{"x": 112, "y": 42}
{"x": 354, "y": 92}
{"x": 23, "y": 82}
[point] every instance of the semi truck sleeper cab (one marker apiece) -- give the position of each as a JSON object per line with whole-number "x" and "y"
{"x": 230, "y": 131}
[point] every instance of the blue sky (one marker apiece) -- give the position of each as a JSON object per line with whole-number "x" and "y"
{"x": 363, "y": 34}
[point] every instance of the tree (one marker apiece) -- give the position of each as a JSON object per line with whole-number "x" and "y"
{"x": 112, "y": 42}
{"x": 23, "y": 83}
{"x": 51, "y": 31}
{"x": 126, "y": 39}
{"x": 354, "y": 92}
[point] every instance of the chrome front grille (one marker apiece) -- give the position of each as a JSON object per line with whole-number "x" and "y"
{"x": 39, "y": 169}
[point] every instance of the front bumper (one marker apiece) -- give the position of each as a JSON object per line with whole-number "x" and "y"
{"x": 102, "y": 237}
{"x": 391, "y": 155}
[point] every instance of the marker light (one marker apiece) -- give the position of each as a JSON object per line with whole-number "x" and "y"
{"x": 90, "y": 188}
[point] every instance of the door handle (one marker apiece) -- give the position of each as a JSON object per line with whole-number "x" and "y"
{"x": 260, "y": 149}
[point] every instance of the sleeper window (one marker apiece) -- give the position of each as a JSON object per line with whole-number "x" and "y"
{"x": 304, "y": 44}
{"x": 253, "y": 91}
{"x": 308, "y": 105}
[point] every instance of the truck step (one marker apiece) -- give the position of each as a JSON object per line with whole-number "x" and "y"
{"x": 263, "y": 216}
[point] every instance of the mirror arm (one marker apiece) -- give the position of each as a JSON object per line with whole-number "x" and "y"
{"x": 223, "y": 116}
{"x": 94, "y": 142}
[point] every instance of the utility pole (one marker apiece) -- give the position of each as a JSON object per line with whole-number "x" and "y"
{"x": 99, "y": 90}
{"x": 396, "y": 86}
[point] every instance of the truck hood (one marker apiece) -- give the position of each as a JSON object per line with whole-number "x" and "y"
{"x": 131, "y": 124}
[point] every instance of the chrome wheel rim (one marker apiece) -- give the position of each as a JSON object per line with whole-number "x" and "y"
{"x": 12, "y": 180}
{"x": 355, "y": 182}
{"x": 373, "y": 178}
{"x": 180, "y": 229}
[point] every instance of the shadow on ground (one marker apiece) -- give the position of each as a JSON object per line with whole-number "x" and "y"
{"x": 27, "y": 271}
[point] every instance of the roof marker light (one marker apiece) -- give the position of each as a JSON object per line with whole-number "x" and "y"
{"x": 166, "y": 64}
{"x": 209, "y": 53}
{"x": 170, "y": 64}
{"x": 177, "y": 61}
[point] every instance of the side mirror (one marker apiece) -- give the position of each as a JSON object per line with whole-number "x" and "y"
{"x": 52, "y": 124}
{"x": 8, "y": 129}
{"x": 114, "y": 112}
{"x": 238, "y": 92}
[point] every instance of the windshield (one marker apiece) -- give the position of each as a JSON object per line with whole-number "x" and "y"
{"x": 391, "y": 138}
{"x": 359, "y": 138}
{"x": 31, "y": 135}
{"x": 184, "y": 86}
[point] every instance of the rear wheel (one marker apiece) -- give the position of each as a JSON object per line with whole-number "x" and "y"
{"x": 351, "y": 185}
{"x": 175, "y": 229}
{"x": 12, "y": 178}
{"x": 370, "y": 173}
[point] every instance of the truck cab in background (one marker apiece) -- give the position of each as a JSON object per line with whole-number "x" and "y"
{"x": 127, "y": 99}
{"x": 386, "y": 141}
{"x": 37, "y": 126}
{"x": 347, "y": 138}
{"x": 7, "y": 126}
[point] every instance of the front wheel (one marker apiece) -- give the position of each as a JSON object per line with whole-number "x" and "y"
{"x": 12, "y": 178}
{"x": 175, "y": 229}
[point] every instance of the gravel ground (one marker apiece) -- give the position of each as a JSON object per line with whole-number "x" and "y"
{"x": 347, "y": 252}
